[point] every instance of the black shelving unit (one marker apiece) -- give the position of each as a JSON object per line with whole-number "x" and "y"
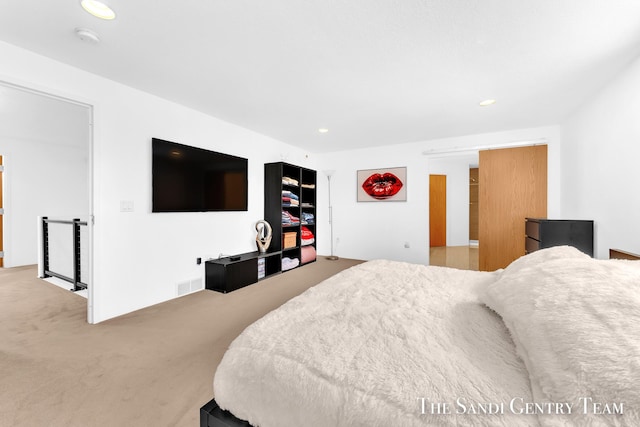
{"x": 301, "y": 182}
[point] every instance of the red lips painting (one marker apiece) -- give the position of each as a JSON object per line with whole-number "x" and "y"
{"x": 381, "y": 185}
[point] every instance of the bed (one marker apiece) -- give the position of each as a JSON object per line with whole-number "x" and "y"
{"x": 552, "y": 340}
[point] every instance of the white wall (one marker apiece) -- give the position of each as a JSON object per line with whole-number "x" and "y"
{"x": 380, "y": 230}
{"x": 600, "y": 172}
{"x": 456, "y": 168}
{"x": 39, "y": 183}
{"x": 139, "y": 257}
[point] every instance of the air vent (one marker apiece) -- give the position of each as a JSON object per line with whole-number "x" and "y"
{"x": 189, "y": 286}
{"x": 183, "y": 288}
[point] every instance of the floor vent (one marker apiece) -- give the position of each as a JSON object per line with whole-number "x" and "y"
{"x": 183, "y": 288}
{"x": 189, "y": 286}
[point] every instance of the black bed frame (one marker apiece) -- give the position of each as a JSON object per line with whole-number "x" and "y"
{"x": 212, "y": 416}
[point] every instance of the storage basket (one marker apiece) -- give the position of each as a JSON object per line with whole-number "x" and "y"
{"x": 289, "y": 239}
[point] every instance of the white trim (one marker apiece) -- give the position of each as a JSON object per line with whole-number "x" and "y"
{"x": 442, "y": 152}
{"x": 4, "y": 81}
{"x": 91, "y": 221}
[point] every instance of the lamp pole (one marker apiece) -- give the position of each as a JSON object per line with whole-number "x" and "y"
{"x": 331, "y": 257}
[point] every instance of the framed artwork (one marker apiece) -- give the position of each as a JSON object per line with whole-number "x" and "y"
{"x": 382, "y": 185}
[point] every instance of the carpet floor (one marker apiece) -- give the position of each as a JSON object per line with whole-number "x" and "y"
{"x": 152, "y": 367}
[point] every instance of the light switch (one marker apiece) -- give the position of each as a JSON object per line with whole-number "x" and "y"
{"x": 126, "y": 206}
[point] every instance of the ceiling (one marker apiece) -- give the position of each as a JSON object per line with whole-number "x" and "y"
{"x": 373, "y": 72}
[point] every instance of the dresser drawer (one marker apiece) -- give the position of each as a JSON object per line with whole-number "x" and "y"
{"x": 532, "y": 229}
{"x": 531, "y": 245}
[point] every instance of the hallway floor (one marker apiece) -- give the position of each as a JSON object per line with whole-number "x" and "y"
{"x": 461, "y": 257}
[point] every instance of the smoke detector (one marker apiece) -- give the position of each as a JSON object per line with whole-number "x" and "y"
{"x": 87, "y": 35}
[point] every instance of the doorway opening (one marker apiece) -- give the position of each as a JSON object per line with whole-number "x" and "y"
{"x": 512, "y": 185}
{"x": 46, "y": 146}
{"x": 451, "y": 242}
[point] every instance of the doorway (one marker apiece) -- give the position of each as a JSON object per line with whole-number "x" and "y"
{"x": 512, "y": 185}
{"x": 437, "y": 210}
{"x": 46, "y": 145}
{"x": 449, "y": 214}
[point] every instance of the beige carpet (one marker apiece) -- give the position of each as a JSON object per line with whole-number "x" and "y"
{"x": 153, "y": 367}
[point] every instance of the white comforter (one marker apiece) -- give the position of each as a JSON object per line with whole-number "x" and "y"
{"x": 381, "y": 344}
{"x": 393, "y": 344}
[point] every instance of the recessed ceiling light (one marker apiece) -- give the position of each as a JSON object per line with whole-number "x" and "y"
{"x": 98, "y": 9}
{"x": 323, "y": 130}
{"x": 487, "y": 102}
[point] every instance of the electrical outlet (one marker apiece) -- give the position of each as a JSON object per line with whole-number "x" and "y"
{"x": 198, "y": 260}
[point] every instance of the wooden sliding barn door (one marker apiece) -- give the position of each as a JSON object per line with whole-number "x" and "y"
{"x": 513, "y": 186}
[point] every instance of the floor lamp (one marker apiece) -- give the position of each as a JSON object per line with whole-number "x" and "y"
{"x": 328, "y": 173}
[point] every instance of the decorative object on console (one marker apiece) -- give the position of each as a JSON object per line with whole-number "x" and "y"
{"x": 382, "y": 185}
{"x": 263, "y": 239}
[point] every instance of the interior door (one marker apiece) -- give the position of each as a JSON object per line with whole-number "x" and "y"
{"x": 437, "y": 210}
{"x": 513, "y": 187}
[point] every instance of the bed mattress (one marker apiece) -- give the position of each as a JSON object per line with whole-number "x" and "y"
{"x": 384, "y": 343}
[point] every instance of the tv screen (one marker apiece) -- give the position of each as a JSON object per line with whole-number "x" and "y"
{"x": 190, "y": 179}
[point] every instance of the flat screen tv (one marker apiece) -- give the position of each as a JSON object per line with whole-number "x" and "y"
{"x": 190, "y": 179}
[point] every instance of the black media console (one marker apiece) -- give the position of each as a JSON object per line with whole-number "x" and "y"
{"x": 234, "y": 272}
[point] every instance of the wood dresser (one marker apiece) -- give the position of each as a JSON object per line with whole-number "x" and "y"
{"x": 618, "y": 254}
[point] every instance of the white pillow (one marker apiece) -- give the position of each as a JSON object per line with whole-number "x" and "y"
{"x": 576, "y": 325}
{"x": 543, "y": 255}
